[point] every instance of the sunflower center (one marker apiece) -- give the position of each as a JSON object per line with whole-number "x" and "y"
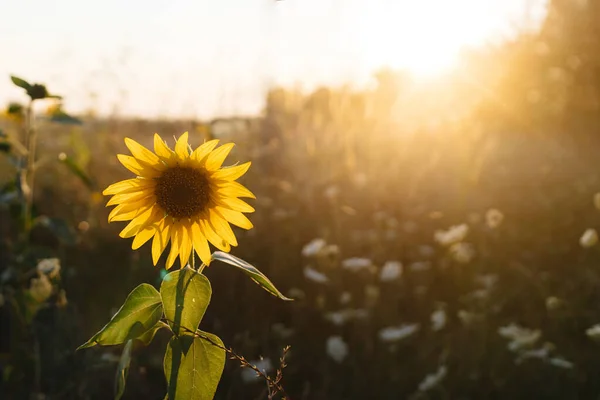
{"x": 182, "y": 192}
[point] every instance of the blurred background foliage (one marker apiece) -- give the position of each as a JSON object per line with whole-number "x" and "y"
{"x": 386, "y": 307}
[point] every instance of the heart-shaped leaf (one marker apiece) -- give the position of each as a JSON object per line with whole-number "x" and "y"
{"x": 193, "y": 366}
{"x": 250, "y": 270}
{"x": 140, "y": 312}
{"x": 185, "y": 295}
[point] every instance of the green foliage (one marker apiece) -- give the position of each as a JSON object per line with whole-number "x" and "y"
{"x": 22, "y": 83}
{"x": 147, "y": 337}
{"x": 36, "y": 91}
{"x": 123, "y": 370}
{"x": 185, "y": 295}
{"x": 140, "y": 312}
{"x": 250, "y": 270}
{"x": 193, "y": 366}
{"x": 76, "y": 170}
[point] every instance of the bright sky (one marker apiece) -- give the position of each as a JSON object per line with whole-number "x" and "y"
{"x": 200, "y": 58}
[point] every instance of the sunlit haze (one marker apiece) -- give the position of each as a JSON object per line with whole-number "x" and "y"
{"x": 197, "y": 59}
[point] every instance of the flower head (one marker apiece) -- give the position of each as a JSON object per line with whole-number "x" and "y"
{"x": 181, "y": 197}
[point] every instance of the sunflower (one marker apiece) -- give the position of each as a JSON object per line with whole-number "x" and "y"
{"x": 181, "y": 196}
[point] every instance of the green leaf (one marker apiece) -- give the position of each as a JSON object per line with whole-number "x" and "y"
{"x": 250, "y": 270}
{"x": 185, "y": 295}
{"x": 193, "y": 366}
{"x": 123, "y": 370}
{"x": 22, "y": 83}
{"x": 140, "y": 312}
{"x": 76, "y": 170}
{"x": 147, "y": 337}
{"x": 62, "y": 117}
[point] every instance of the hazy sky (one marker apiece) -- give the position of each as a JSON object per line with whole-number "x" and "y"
{"x": 199, "y": 58}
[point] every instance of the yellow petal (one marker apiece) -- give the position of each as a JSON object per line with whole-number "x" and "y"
{"x": 216, "y": 158}
{"x": 139, "y": 222}
{"x": 161, "y": 239}
{"x": 143, "y": 236}
{"x": 129, "y": 197}
{"x": 235, "y": 217}
{"x": 221, "y": 227}
{"x": 185, "y": 247}
{"x": 200, "y": 244}
{"x": 232, "y": 173}
{"x": 234, "y": 189}
{"x": 136, "y": 167}
{"x": 204, "y": 150}
{"x": 128, "y": 186}
{"x": 162, "y": 150}
{"x": 236, "y": 204}
{"x": 127, "y": 211}
{"x": 181, "y": 146}
{"x": 174, "y": 245}
{"x": 141, "y": 153}
{"x": 212, "y": 236}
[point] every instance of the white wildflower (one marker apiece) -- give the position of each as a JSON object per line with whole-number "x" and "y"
{"x": 345, "y": 298}
{"x": 249, "y": 375}
{"x": 593, "y": 332}
{"x": 561, "y": 363}
{"x": 493, "y": 218}
{"x": 390, "y": 271}
{"x": 542, "y": 353}
{"x": 432, "y": 380}
{"x": 40, "y": 288}
{"x": 462, "y": 252}
{"x": 396, "y": 333}
{"x": 553, "y": 303}
{"x": 313, "y": 248}
{"x": 356, "y": 264}
{"x": 336, "y": 348}
{"x": 330, "y": 250}
{"x": 520, "y": 337}
{"x": 438, "y": 319}
{"x": 468, "y": 318}
{"x": 454, "y": 234}
{"x": 340, "y": 317}
{"x": 589, "y": 238}
{"x": 314, "y": 275}
{"x": 49, "y": 266}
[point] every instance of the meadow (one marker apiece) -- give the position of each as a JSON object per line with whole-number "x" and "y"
{"x": 438, "y": 239}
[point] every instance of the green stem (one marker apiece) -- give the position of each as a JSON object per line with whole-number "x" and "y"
{"x": 192, "y": 261}
{"x": 28, "y": 173}
{"x": 201, "y": 268}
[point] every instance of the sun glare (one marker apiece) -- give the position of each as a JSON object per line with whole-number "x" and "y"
{"x": 426, "y": 37}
